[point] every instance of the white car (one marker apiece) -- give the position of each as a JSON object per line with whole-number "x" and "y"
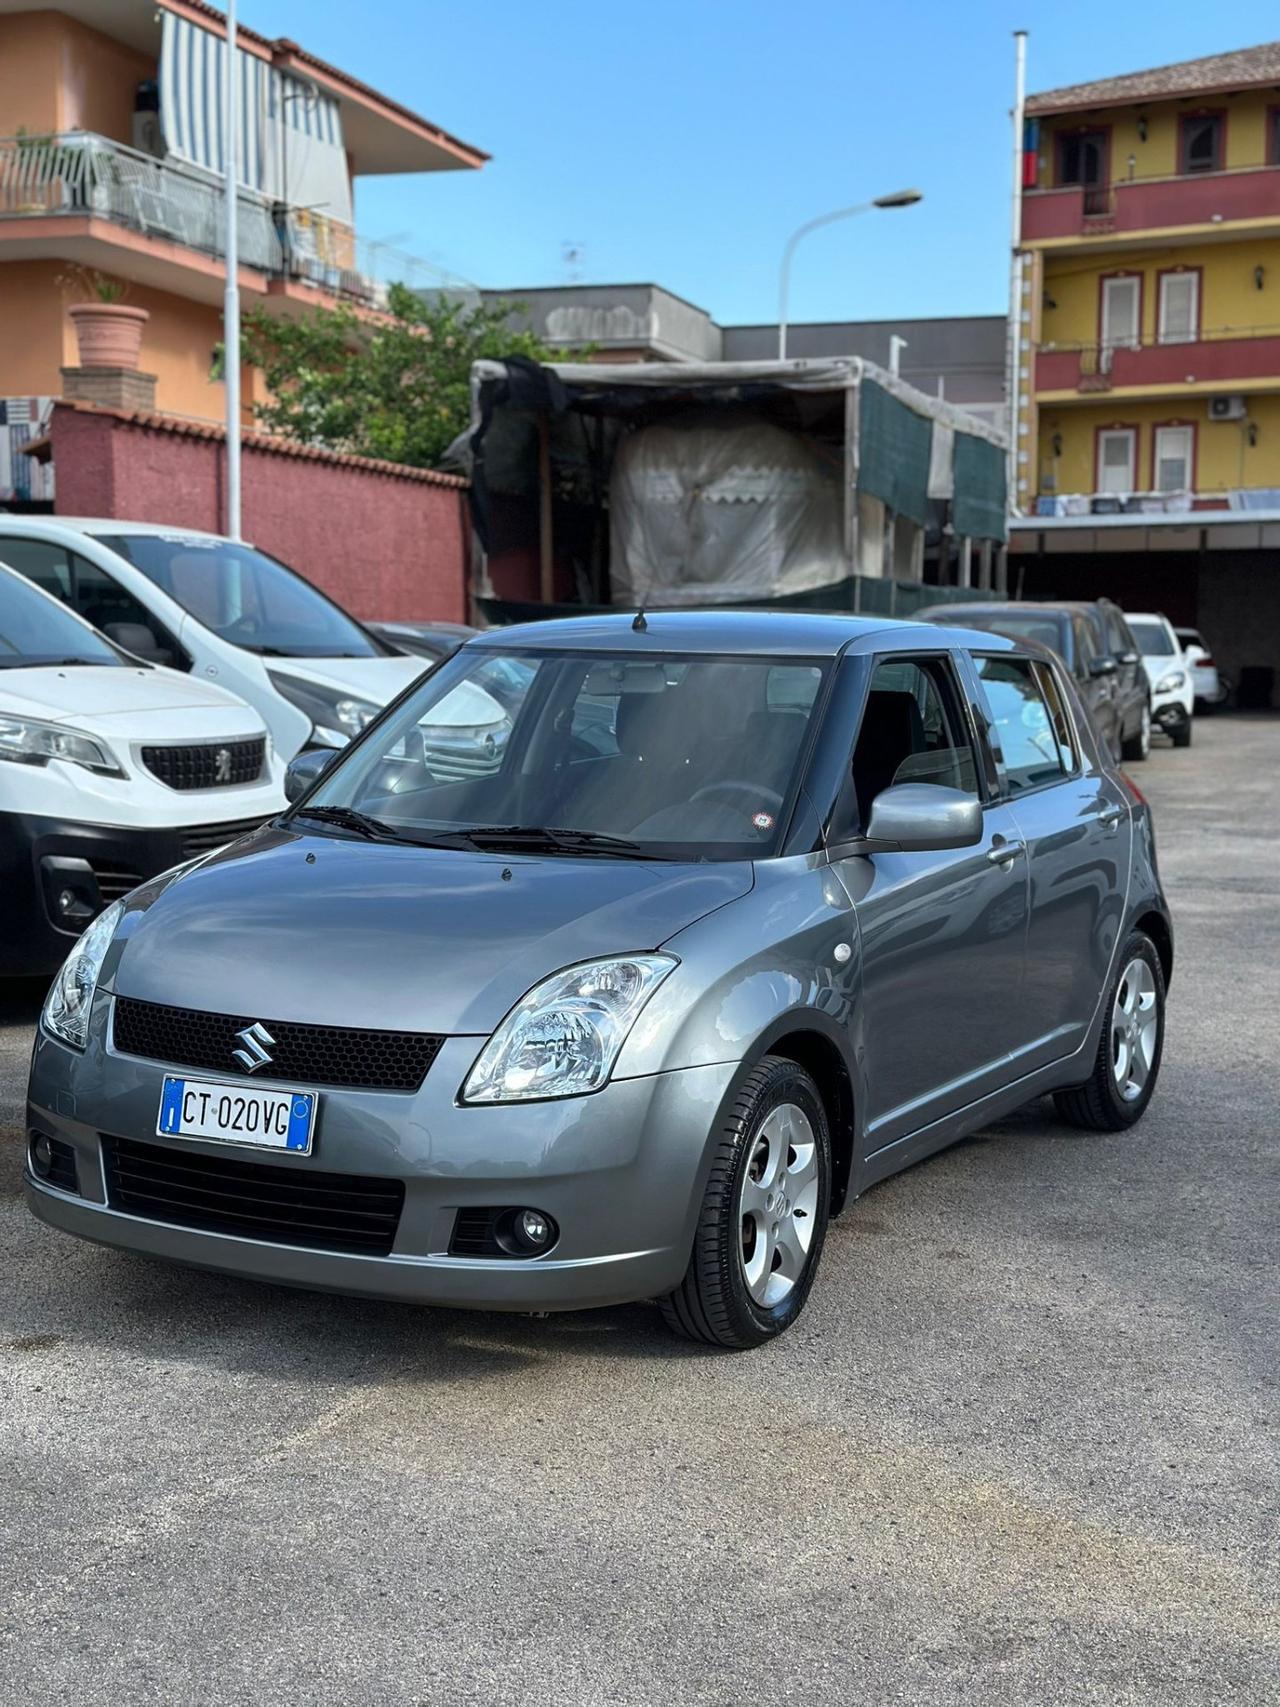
{"x": 1210, "y": 687}
{"x": 223, "y": 611}
{"x": 1168, "y": 671}
{"x": 110, "y": 771}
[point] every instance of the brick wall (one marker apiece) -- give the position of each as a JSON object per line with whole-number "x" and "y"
{"x": 384, "y": 541}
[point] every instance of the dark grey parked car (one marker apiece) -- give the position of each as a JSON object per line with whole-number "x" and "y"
{"x": 754, "y": 910}
{"x": 1097, "y": 646}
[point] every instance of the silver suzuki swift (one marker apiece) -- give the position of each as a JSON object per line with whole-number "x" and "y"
{"x": 609, "y": 963}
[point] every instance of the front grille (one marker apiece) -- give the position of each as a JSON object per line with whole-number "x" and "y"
{"x": 212, "y": 764}
{"x": 475, "y": 1234}
{"x": 253, "y": 1200}
{"x": 62, "y": 1171}
{"x": 300, "y": 1054}
{"x": 203, "y": 838}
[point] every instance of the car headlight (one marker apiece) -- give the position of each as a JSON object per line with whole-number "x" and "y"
{"x": 26, "y": 742}
{"x": 562, "y": 1039}
{"x": 1172, "y": 682}
{"x": 66, "y": 1007}
{"x": 335, "y": 716}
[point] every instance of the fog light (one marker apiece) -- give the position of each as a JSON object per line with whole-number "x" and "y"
{"x": 534, "y": 1228}
{"x": 41, "y": 1155}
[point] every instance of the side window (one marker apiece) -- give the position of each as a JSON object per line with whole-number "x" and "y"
{"x": 1058, "y": 716}
{"x": 1118, "y": 637}
{"x": 1086, "y": 648}
{"x": 49, "y": 566}
{"x": 1031, "y": 742}
{"x": 912, "y": 731}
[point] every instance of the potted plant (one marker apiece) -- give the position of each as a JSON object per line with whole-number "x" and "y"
{"x": 108, "y": 330}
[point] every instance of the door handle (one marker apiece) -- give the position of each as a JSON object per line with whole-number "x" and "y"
{"x": 1005, "y": 853}
{"x": 1111, "y": 817}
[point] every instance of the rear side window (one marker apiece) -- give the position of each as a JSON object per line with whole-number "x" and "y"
{"x": 1033, "y": 733}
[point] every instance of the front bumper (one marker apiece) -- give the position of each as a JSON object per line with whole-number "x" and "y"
{"x": 1170, "y": 714}
{"x": 41, "y": 858}
{"x": 622, "y": 1172}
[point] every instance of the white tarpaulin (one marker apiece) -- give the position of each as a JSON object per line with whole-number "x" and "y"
{"x": 701, "y": 510}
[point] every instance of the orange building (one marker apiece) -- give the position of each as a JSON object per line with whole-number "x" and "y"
{"x": 110, "y": 169}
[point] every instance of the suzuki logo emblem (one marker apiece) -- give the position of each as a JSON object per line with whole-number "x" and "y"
{"x": 258, "y": 1044}
{"x": 222, "y": 765}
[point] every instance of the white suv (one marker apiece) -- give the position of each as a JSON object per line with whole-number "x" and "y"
{"x": 223, "y": 611}
{"x": 110, "y": 771}
{"x": 1169, "y": 672}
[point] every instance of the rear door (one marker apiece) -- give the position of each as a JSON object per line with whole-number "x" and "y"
{"x": 1132, "y": 676}
{"x": 942, "y": 933}
{"x": 1074, "y": 819}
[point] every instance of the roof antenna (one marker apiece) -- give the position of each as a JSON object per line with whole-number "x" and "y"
{"x": 640, "y": 626}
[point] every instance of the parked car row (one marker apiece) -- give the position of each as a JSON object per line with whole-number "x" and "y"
{"x": 1131, "y": 670}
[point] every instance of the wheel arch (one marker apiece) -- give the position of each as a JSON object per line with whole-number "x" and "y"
{"x": 1156, "y": 926}
{"x": 806, "y": 1040}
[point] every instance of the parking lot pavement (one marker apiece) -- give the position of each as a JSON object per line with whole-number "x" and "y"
{"x": 1020, "y": 1448}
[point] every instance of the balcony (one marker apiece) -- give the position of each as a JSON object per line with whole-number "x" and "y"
{"x": 1110, "y": 214}
{"x": 1217, "y": 359}
{"x": 81, "y": 197}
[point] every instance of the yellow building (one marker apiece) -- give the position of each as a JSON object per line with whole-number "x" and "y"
{"x": 111, "y": 170}
{"x": 1150, "y": 321}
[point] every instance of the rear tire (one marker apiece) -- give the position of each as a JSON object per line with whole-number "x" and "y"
{"x": 1127, "y": 1064}
{"x": 764, "y": 1214}
{"x": 1180, "y": 734}
{"x": 1138, "y": 745}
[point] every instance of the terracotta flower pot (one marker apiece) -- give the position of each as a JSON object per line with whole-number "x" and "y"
{"x": 109, "y": 334}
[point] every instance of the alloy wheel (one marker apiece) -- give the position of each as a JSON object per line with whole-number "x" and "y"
{"x": 1135, "y": 1029}
{"x": 778, "y": 1204}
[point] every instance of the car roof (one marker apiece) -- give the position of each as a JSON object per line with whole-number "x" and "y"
{"x": 736, "y": 632}
{"x": 107, "y": 524}
{"x": 1146, "y": 616}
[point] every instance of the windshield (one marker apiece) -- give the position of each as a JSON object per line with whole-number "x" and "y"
{"x": 1153, "y": 638}
{"x": 585, "y": 754}
{"x": 246, "y": 598}
{"x": 34, "y": 629}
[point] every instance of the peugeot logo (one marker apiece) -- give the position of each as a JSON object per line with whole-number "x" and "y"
{"x": 222, "y": 768}
{"x": 258, "y": 1044}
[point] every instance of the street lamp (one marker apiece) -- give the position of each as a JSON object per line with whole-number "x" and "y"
{"x": 899, "y": 198}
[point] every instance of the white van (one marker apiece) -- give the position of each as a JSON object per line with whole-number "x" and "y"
{"x": 225, "y": 612}
{"x": 110, "y": 771}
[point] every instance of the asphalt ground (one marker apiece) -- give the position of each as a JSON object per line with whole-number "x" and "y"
{"x": 1021, "y": 1447}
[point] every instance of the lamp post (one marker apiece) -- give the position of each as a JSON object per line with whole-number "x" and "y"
{"x": 899, "y": 198}
{"x": 231, "y": 299}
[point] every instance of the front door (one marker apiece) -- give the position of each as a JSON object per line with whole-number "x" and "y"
{"x": 1075, "y": 823}
{"x": 942, "y": 934}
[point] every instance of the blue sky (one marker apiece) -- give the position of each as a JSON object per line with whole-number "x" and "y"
{"x": 680, "y": 141}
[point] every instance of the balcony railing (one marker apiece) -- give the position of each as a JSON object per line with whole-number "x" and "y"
{"x": 1245, "y": 191}
{"x": 80, "y": 174}
{"x": 1218, "y": 356}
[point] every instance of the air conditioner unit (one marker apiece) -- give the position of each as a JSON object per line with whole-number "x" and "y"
{"x": 1226, "y": 408}
{"x": 148, "y": 138}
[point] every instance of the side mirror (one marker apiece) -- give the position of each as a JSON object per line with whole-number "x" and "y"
{"x": 920, "y": 817}
{"x": 1102, "y": 667}
{"x": 305, "y": 769}
{"x": 137, "y": 638}
{"x": 1127, "y": 657}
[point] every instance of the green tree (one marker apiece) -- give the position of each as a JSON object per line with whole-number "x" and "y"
{"x": 396, "y": 387}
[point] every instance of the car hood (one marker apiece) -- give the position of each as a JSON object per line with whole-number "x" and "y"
{"x": 294, "y": 926}
{"x": 378, "y": 680}
{"x": 83, "y": 694}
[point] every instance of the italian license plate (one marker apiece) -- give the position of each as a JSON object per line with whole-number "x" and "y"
{"x": 237, "y": 1114}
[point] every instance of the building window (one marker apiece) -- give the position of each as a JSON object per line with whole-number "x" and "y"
{"x": 1117, "y": 460}
{"x": 1174, "y": 458}
{"x": 1179, "y": 308}
{"x": 1202, "y": 143}
{"x": 1121, "y": 315}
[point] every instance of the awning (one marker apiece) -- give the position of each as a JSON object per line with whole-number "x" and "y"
{"x": 291, "y": 145}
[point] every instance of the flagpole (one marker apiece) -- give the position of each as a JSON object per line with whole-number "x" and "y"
{"x": 231, "y": 299}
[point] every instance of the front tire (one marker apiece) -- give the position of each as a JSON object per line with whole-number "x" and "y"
{"x": 1138, "y": 745}
{"x": 1181, "y": 733}
{"x": 764, "y": 1214}
{"x": 1127, "y": 1064}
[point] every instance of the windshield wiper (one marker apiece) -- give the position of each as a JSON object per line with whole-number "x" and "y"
{"x": 347, "y": 818}
{"x": 537, "y": 839}
{"x": 51, "y": 663}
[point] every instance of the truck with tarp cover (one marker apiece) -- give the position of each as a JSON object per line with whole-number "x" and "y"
{"x": 821, "y": 484}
